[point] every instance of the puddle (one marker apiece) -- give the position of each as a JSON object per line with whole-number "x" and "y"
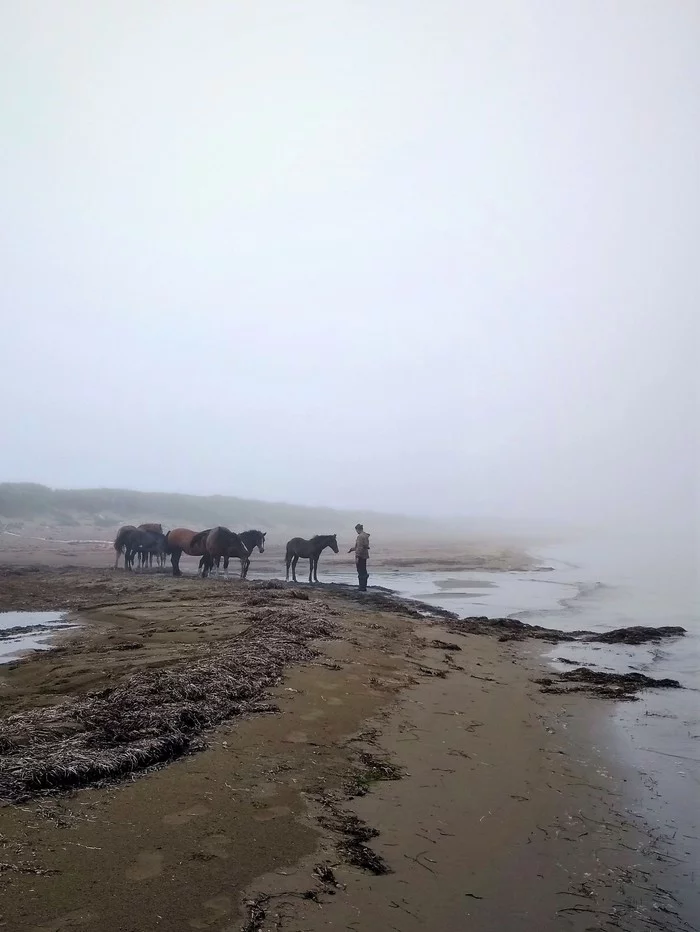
{"x": 24, "y": 631}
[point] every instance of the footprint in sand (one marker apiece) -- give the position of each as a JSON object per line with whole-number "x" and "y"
{"x": 186, "y": 815}
{"x": 263, "y": 790}
{"x": 216, "y": 845}
{"x": 312, "y": 716}
{"x": 72, "y": 920}
{"x": 334, "y": 700}
{"x": 297, "y": 737}
{"x": 217, "y": 908}
{"x": 271, "y": 812}
{"x": 148, "y": 864}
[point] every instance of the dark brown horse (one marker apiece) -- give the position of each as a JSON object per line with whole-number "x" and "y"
{"x": 251, "y": 539}
{"x": 124, "y": 534}
{"x": 310, "y": 550}
{"x": 154, "y": 529}
{"x": 221, "y": 542}
{"x": 145, "y": 544}
{"x": 120, "y": 541}
{"x": 182, "y": 540}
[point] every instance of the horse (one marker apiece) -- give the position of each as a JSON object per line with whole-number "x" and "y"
{"x": 120, "y": 541}
{"x": 143, "y": 543}
{"x": 150, "y": 547}
{"x": 221, "y": 542}
{"x": 297, "y": 547}
{"x": 156, "y": 529}
{"x": 182, "y": 540}
{"x": 251, "y": 539}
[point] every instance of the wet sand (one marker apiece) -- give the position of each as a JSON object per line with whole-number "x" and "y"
{"x": 504, "y": 816}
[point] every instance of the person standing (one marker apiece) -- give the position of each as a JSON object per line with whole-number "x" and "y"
{"x": 361, "y": 551}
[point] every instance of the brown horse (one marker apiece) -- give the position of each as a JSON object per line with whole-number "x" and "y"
{"x": 221, "y": 542}
{"x": 297, "y": 547}
{"x": 182, "y": 540}
{"x": 120, "y": 541}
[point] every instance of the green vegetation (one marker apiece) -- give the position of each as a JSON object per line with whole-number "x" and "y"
{"x": 28, "y": 502}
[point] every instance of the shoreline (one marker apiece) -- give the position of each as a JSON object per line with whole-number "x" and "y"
{"x": 381, "y": 669}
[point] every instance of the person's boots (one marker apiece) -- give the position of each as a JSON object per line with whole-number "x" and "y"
{"x": 363, "y": 582}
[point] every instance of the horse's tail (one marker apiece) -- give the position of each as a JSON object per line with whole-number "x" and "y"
{"x": 119, "y": 540}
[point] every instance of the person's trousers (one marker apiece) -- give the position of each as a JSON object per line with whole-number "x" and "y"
{"x": 362, "y": 574}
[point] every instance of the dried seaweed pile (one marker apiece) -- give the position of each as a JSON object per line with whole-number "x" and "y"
{"x": 151, "y": 716}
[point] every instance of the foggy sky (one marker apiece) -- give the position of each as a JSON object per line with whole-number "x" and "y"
{"x": 426, "y": 257}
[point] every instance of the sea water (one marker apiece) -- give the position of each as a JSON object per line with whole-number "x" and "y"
{"x": 26, "y": 631}
{"x": 599, "y": 583}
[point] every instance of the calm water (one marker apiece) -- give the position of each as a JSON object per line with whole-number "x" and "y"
{"x": 42, "y": 628}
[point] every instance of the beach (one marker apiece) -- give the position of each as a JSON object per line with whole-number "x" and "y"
{"x": 387, "y": 770}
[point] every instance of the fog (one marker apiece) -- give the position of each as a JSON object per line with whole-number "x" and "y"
{"x": 430, "y": 258}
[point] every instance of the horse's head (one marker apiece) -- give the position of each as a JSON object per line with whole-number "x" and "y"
{"x": 333, "y": 542}
{"x": 260, "y": 542}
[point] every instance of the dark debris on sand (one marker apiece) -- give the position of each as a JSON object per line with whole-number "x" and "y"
{"x": 606, "y": 685}
{"x": 353, "y": 835}
{"x": 510, "y": 629}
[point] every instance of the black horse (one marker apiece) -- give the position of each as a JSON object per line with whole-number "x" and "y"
{"x": 310, "y": 550}
{"x": 159, "y": 555}
{"x": 144, "y": 544}
{"x": 251, "y": 539}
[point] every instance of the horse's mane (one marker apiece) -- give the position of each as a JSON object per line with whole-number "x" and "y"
{"x": 199, "y": 537}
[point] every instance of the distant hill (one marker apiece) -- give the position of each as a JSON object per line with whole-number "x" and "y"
{"x": 24, "y": 502}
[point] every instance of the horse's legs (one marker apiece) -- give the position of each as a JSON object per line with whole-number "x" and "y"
{"x": 116, "y": 559}
{"x": 316, "y": 558}
{"x": 311, "y": 569}
{"x": 175, "y": 560}
{"x": 226, "y": 559}
{"x": 287, "y": 563}
{"x": 295, "y": 560}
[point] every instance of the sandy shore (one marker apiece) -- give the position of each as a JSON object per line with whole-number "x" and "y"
{"x": 503, "y": 816}
{"x": 90, "y": 546}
